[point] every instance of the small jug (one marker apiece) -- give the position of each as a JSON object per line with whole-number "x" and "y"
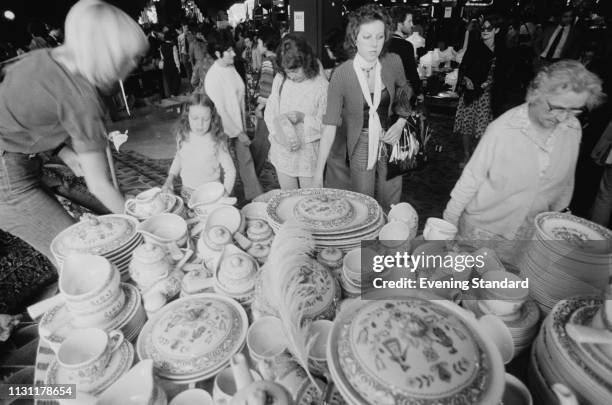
{"x": 146, "y": 204}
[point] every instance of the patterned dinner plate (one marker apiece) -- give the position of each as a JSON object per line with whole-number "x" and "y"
{"x": 575, "y": 231}
{"x": 365, "y": 210}
{"x": 193, "y": 336}
{"x": 591, "y": 353}
{"x": 415, "y": 350}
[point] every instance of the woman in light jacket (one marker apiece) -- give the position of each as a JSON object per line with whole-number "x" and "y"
{"x": 359, "y": 121}
{"x": 525, "y": 162}
{"x": 299, "y": 94}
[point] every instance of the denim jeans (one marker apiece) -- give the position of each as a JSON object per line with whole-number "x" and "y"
{"x": 602, "y": 209}
{"x": 27, "y": 209}
{"x": 373, "y": 182}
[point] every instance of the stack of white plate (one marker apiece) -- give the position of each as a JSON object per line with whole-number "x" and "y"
{"x": 111, "y": 236}
{"x": 557, "y": 358}
{"x": 336, "y": 218}
{"x": 193, "y": 338}
{"x": 569, "y": 256}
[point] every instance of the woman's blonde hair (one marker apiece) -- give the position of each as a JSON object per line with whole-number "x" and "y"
{"x": 102, "y": 40}
{"x": 566, "y": 76}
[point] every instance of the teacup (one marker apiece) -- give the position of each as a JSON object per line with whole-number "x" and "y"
{"x": 394, "y": 234}
{"x": 503, "y": 302}
{"x": 208, "y": 194}
{"x": 439, "y": 229}
{"x": 192, "y": 396}
{"x": 266, "y": 341}
{"x": 405, "y": 213}
{"x": 500, "y": 335}
{"x": 166, "y": 230}
{"x": 147, "y": 203}
{"x": 224, "y": 386}
{"x": 88, "y": 282}
{"x": 516, "y": 393}
{"x": 85, "y": 353}
{"x": 351, "y": 264}
{"x": 101, "y": 317}
{"x": 317, "y": 358}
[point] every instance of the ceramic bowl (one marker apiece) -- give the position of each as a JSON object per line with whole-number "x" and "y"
{"x": 516, "y": 393}
{"x": 266, "y": 339}
{"x": 164, "y": 230}
{"x": 317, "y": 362}
{"x": 227, "y": 216}
{"x": 351, "y": 264}
{"x": 88, "y": 282}
{"x": 193, "y": 396}
{"x": 255, "y": 210}
{"x": 101, "y": 317}
{"x": 494, "y": 328}
{"x": 208, "y": 194}
{"x": 394, "y": 234}
{"x": 404, "y": 212}
{"x": 224, "y": 386}
{"x": 439, "y": 229}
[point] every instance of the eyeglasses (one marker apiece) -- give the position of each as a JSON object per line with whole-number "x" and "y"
{"x": 558, "y": 110}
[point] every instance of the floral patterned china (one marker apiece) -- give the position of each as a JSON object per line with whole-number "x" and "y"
{"x": 120, "y": 362}
{"x": 573, "y": 230}
{"x": 416, "y": 351}
{"x": 194, "y": 336}
{"x": 324, "y": 210}
{"x": 95, "y": 235}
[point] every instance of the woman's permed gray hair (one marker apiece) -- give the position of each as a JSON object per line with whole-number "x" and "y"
{"x": 364, "y": 15}
{"x": 103, "y": 41}
{"x": 566, "y": 76}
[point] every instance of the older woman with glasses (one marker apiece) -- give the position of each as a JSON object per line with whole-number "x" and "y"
{"x": 50, "y": 104}
{"x": 525, "y": 161}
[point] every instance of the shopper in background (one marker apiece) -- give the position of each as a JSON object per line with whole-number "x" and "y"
{"x": 525, "y": 162}
{"x": 226, "y": 89}
{"x": 402, "y": 22}
{"x": 267, "y": 42}
{"x": 359, "y": 117}
{"x": 294, "y": 113}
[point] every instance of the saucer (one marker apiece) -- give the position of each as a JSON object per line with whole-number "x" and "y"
{"x": 57, "y": 323}
{"x": 120, "y": 362}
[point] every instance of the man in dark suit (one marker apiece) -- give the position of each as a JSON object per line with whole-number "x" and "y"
{"x": 402, "y": 22}
{"x": 561, "y": 41}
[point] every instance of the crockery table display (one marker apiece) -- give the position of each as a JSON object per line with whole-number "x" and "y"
{"x": 287, "y": 261}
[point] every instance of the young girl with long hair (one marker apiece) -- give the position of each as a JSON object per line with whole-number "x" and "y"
{"x": 202, "y": 154}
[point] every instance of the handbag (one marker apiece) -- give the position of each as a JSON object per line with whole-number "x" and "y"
{"x": 409, "y": 153}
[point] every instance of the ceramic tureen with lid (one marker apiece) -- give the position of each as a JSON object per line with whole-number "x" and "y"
{"x": 413, "y": 351}
{"x": 95, "y": 235}
{"x": 194, "y": 337}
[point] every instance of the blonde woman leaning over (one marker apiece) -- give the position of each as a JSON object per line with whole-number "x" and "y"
{"x": 525, "y": 162}
{"x": 49, "y": 103}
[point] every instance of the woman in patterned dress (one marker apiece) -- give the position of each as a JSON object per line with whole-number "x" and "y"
{"x": 476, "y": 77}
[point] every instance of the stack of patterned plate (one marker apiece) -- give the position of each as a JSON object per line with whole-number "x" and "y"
{"x": 111, "y": 236}
{"x": 337, "y": 218}
{"x": 193, "y": 338}
{"x": 569, "y": 256}
{"x": 556, "y": 357}
{"x": 57, "y": 323}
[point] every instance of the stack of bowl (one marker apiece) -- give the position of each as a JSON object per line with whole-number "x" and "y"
{"x": 93, "y": 297}
{"x": 569, "y": 256}
{"x": 113, "y": 237}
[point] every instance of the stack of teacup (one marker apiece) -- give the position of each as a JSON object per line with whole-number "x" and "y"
{"x": 95, "y": 297}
